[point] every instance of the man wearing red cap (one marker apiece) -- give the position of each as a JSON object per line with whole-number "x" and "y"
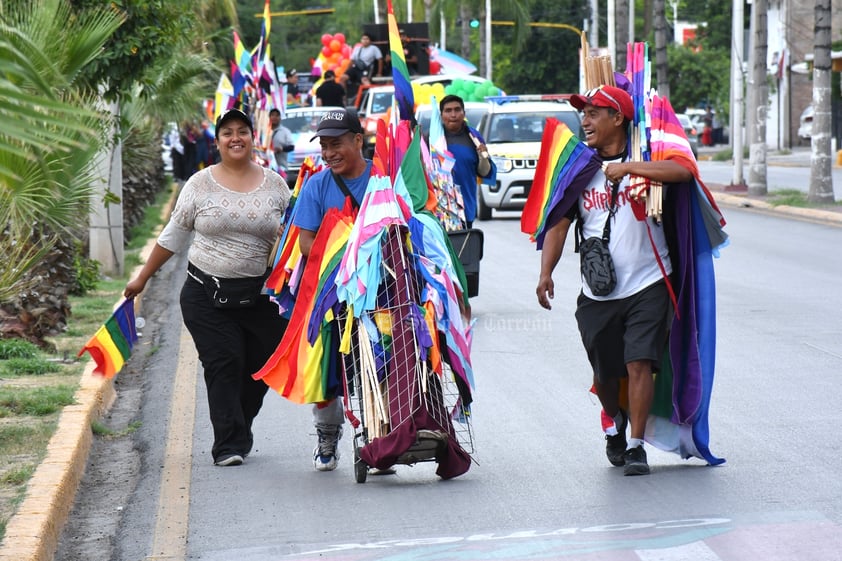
{"x": 624, "y": 325}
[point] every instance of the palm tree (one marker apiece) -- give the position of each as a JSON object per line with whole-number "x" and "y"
{"x": 821, "y": 180}
{"x": 48, "y": 131}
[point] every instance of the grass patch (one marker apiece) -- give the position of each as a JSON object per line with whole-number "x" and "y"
{"x": 18, "y": 475}
{"x": 22, "y": 436}
{"x": 36, "y": 366}
{"x": 17, "y": 348}
{"x": 788, "y": 197}
{"x": 36, "y": 402}
{"x": 99, "y": 429}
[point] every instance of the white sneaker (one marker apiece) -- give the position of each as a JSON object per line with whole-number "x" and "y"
{"x": 326, "y": 454}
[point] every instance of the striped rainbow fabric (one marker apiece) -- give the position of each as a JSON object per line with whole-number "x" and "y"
{"x": 564, "y": 161}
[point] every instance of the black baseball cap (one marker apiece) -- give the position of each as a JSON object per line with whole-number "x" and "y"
{"x": 230, "y": 115}
{"x": 337, "y": 122}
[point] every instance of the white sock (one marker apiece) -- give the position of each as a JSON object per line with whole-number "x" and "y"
{"x": 634, "y": 443}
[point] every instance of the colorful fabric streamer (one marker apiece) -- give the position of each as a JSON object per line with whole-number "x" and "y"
{"x": 400, "y": 72}
{"x": 111, "y": 345}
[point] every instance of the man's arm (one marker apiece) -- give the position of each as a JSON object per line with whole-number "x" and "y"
{"x": 665, "y": 171}
{"x": 550, "y": 254}
{"x": 305, "y": 241}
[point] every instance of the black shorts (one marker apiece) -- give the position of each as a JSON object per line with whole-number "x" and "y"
{"x": 616, "y": 332}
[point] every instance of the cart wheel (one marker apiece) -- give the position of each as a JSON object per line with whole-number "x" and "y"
{"x": 360, "y": 467}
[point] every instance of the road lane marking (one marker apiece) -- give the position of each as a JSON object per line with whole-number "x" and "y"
{"x": 696, "y": 551}
{"x": 171, "y": 523}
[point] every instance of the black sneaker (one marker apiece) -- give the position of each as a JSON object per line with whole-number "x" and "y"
{"x": 229, "y": 460}
{"x": 615, "y": 446}
{"x": 635, "y": 459}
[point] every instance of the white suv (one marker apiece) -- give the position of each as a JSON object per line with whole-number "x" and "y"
{"x": 512, "y": 129}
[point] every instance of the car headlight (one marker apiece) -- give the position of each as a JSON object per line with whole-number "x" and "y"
{"x": 503, "y": 164}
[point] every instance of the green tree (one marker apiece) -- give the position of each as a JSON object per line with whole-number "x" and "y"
{"x": 699, "y": 78}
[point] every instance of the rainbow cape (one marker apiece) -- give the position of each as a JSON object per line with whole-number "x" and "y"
{"x": 304, "y": 368}
{"x": 111, "y": 345}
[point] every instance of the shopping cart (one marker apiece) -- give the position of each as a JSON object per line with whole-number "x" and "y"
{"x": 402, "y": 410}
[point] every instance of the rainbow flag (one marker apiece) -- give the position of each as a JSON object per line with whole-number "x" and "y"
{"x": 565, "y": 166}
{"x": 400, "y": 72}
{"x": 304, "y": 367}
{"x": 111, "y": 345}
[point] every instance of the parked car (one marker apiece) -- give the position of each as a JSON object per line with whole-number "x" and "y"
{"x": 302, "y": 123}
{"x": 805, "y": 124}
{"x": 474, "y": 110}
{"x": 691, "y": 131}
{"x": 512, "y": 128}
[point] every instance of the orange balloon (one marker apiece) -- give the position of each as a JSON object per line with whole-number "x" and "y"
{"x": 335, "y": 46}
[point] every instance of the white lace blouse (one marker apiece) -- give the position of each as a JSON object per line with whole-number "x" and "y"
{"x": 233, "y": 232}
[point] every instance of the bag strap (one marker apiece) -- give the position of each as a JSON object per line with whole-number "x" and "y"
{"x": 341, "y": 182}
{"x": 606, "y": 230}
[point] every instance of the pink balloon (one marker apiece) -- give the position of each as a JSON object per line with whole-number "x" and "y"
{"x": 340, "y": 37}
{"x": 346, "y": 50}
{"x": 326, "y": 51}
{"x": 326, "y": 39}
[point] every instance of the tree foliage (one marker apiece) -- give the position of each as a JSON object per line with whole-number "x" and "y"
{"x": 699, "y": 78}
{"x": 153, "y": 30}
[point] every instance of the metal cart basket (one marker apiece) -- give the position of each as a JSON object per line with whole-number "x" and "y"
{"x": 402, "y": 409}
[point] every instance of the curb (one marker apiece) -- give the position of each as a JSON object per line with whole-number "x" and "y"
{"x": 815, "y": 215}
{"x": 33, "y": 531}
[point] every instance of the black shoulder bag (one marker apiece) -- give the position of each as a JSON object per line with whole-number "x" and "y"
{"x": 341, "y": 182}
{"x": 596, "y": 262}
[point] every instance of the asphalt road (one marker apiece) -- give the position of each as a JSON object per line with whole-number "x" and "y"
{"x": 541, "y": 487}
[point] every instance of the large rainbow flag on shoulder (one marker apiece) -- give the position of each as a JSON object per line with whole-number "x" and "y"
{"x": 111, "y": 345}
{"x": 565, "y": 167}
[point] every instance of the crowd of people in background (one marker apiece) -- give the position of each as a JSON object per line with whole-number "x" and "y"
{"x": 192, "y": 148}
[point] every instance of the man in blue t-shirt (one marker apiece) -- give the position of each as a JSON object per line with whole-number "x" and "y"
{"x": 469, "y": 151}
{"x": 341, "y": 138}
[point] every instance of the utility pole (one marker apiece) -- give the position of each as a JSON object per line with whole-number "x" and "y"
{"x": 737, "y": 92}
{"x": 758, "y": 101}
{"x": 821, "y": 178}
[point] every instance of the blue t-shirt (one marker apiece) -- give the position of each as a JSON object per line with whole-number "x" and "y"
{"x": 321, "y": 193}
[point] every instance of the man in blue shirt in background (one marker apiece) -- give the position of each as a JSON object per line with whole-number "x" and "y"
{"x": 469, "y": 151}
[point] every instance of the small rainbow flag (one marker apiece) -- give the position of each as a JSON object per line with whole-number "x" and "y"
{"x": 111, "y": 346}
{"x": 565, "y": 166}
{"x": 400, "y": 72}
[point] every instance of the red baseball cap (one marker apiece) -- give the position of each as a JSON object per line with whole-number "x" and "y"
{"x": 605, "y": 96}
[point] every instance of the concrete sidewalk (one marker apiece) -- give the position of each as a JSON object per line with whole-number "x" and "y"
{"x": 799, "y": 156}
{"x": 33, "y": 532}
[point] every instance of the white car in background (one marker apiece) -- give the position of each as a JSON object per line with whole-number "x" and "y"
{"x": 805, "y": 124}
{"x": 512, "y": 128}
{"x": 474, "y": 110}
{"x": 302, "y": 123}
